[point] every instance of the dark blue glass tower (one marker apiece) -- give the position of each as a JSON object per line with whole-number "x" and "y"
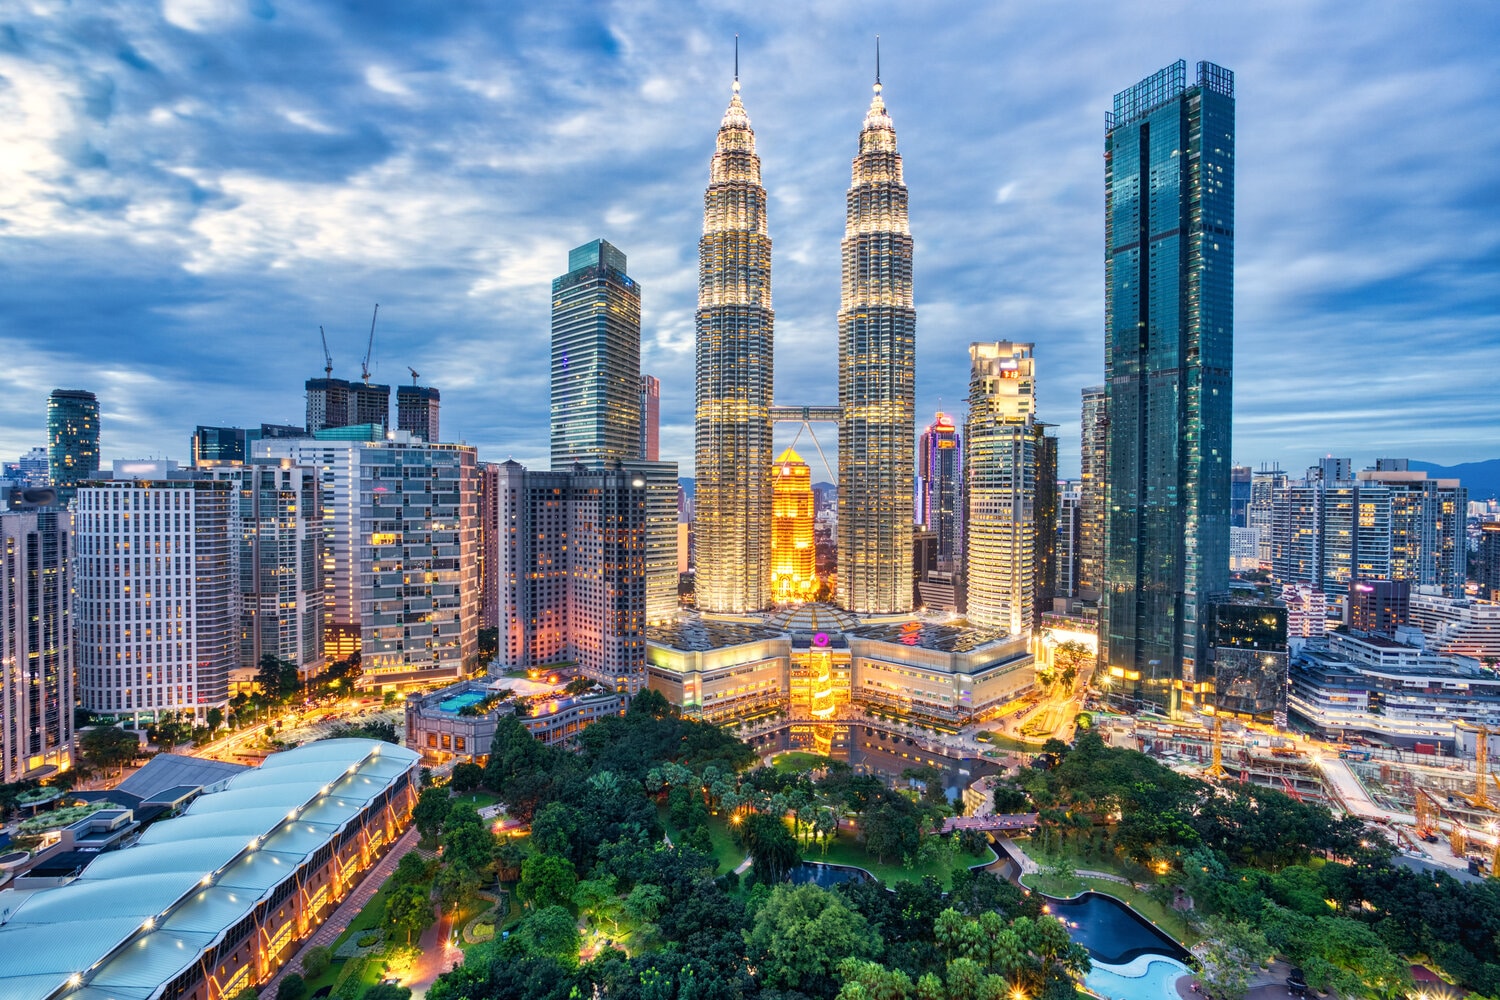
{"x": 1169, "y": 331}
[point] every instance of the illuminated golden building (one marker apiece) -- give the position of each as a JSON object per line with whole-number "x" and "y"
{"x": 877, "y": 378}
{"x": 732, "y": 421}
{"x": 793, "y": 563}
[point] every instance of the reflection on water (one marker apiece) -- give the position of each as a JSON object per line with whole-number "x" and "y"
{"x": 1111, "y": 931}
{"x": 827, "y": 876}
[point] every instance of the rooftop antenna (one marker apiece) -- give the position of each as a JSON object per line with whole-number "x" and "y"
{"x": 877, "y": 60}
{"x": 736, "y": 62}
{"x": 364, "y": 368}
{"x": 327, "y": 358}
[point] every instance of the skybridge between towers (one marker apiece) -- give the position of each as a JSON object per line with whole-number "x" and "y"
{"x": 807, "y": 416}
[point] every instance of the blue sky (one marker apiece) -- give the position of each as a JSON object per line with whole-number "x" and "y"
{"x": 188, "y": 190}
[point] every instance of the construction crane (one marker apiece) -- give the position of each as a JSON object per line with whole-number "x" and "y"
{"x": 1481, "y": 797}
{"x": 1216, "y": 769}
{"x": 414, "y": 374}
{"x": 364, "y": 367}
{"x": 327, "y": 358}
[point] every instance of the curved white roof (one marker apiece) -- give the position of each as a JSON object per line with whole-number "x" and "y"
{"x": 138, "y": 917}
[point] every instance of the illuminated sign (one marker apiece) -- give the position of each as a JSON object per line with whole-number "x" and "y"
{"x": 1009, "y": 373}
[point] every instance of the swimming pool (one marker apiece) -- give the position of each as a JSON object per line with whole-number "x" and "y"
{"x": 458, "y": 701}
{"x": 1149, "y": 977}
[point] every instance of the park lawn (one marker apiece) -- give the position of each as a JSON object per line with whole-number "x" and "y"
{"x": 478, "y": 800}
{"x": 799, "y": 762}
{"x": 1167, "y": 919}
{"x": 1078, "y": 862}
{"x": 730, "y": 856}
{"x": 369, "y": 918}
{"x": 844, "y": 850}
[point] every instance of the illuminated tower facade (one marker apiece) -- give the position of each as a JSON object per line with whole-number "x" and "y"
{"x": 939, "y": 467}
{"x": 732, "y": 421}
{"x": 72, "y": 439}
{"x": 1002, "y": 469}
{"x": 793, "y": 554}
{"x": 1168, "y": 346}
{"x": 877, "y": 379}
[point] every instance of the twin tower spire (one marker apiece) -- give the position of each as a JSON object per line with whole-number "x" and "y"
{"x": 734, "y": 415}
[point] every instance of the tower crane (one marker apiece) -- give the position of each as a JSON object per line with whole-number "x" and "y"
{"x": 364, "y": 367}
{"x": 414, "y": 374}
{"x": 1216, "y": 770}
{"x": 1481, "y": 797}
{"x": 327, "y": 358}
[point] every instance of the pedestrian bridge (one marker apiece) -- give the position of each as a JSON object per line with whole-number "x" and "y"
{"x": 993, "y": 823}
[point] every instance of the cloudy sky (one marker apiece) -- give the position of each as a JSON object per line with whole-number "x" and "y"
{"x": 188, "y": 190}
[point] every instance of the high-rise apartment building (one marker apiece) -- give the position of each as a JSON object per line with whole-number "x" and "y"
{"x": 1260, "y": 512}
{"x": 1093, "y": 474}
{"x": 650, "y": 418}
{"x": 596, "y": 359}
{"x": 417, "y": 409}
{"x": 277, "y": 526}
{"x": 733, "y": 344}
{"x": 327, "y": 403}
{"x": 1326, "y": 534}
{"x": 1044, "y": 534}
{"x": 1169, "y": 329}
{"x": 489, "y": 544}
{"x": 877, "y": 378}
{"x": 72, "y": 439}
{"x": 1489, "y": 560}
{"x": 36, "y": 640}
{"x": 1429, "y": 526}
{"x": 1306, "y": 610}
{"x": 573, "y": 571}
{"x": 154, "y": 610}
{"x": 29, "y": 471}
{"x": 939, "y": 490}
{"x": 1069, "y": 516}
{"x": 1001, "y": 469}
{"x": 793, "y": 556}
{"x": 369, "y": 404}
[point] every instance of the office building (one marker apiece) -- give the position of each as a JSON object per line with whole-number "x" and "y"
{"x": 650, "y": 418}
{"x": 417, "y": 409}
{"x": 1069, "y": 514}
{"x": 596, "y": 359}
{"x": 1248, "y": 661}
{"x": 1429, "y": 526}
{"x": 877, "y": 378}
{"x": 72, "y": 439}
{"x": 219, "y": 445}
{"x": 1044, "y": 533}
{"x": 793, "y": 576}
{"x": 1002, "y": 469}
{"x": 939, "y": 487}
{"x": 1379, "y": 605}
{"x": 277, "y": 523}
{"x": 36, "y": 639}
{"x": 400, "y": 551}
{"x": 573, "y": 571}
{"x": 1260, "y": 511}
{"x": 1240, "y": 478}
{"x": 661, "y": 538}
{"x": 216, "y": 900}
{"x": 489, "y": 544}
{"x": 29, "y": 471}
{"x": 1244, "y": 549}
{"x": 154, "y": 612}
{"x": 1169, "y": 331}
{"x": 1093, "y": 473}
{"x": 1457, "y": 626}
{"x": 1488, "y": 563}
{"x": 733, "y": 344}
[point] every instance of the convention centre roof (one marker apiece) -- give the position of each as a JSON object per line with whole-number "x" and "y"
{"x": 136, "y": 918}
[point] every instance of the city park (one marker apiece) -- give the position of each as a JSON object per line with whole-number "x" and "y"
{"x": 663, "y": 857}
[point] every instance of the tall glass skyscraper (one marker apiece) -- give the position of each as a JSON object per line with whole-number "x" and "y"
{"x": 596, "y": 359}
{"x": 732, "y": 424}
{"x": 939, "y": 468}
{"x": 72, "y": 439}
{"x": 877, "y": 378}
{"x": 1169, "y": 330}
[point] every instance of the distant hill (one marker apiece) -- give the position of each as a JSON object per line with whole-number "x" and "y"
{"x": 1482, "y": 479}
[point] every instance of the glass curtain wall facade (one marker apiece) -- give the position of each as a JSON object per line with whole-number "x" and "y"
{"x": 596, "y": 359}
{"x": 72, "y": 440}
{"x": 877, "y": 379}
{"x": 1169, "y": 266}
{"x": 732, "y": 421}
{"x": 940, "y": 468}
{"x": 1000, "y": 475}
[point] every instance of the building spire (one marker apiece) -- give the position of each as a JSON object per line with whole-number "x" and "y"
{"x": 736, "y": 62}
{"x": 877, "y": 64}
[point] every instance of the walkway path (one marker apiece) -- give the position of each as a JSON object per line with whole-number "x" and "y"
{"x": 338, "y": 921}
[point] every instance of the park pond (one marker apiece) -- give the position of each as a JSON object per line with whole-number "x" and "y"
{"x": 1112, "y": 932}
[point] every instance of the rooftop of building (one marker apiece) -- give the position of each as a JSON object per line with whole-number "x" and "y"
{"x": 136, "y": 918}
{"x": 703, "y": 634}
{"x": 171, "y": 770}
{"x": 952, "y": 637}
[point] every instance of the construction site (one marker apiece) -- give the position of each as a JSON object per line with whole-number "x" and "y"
{"x": 1444, "y": 811}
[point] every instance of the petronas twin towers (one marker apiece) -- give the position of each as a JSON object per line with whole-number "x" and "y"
{"x": 877, "y": 384}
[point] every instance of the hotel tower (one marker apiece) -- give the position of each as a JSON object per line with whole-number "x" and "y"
{"x": 877, "y": 379}
{"x": 732, "y": 452}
